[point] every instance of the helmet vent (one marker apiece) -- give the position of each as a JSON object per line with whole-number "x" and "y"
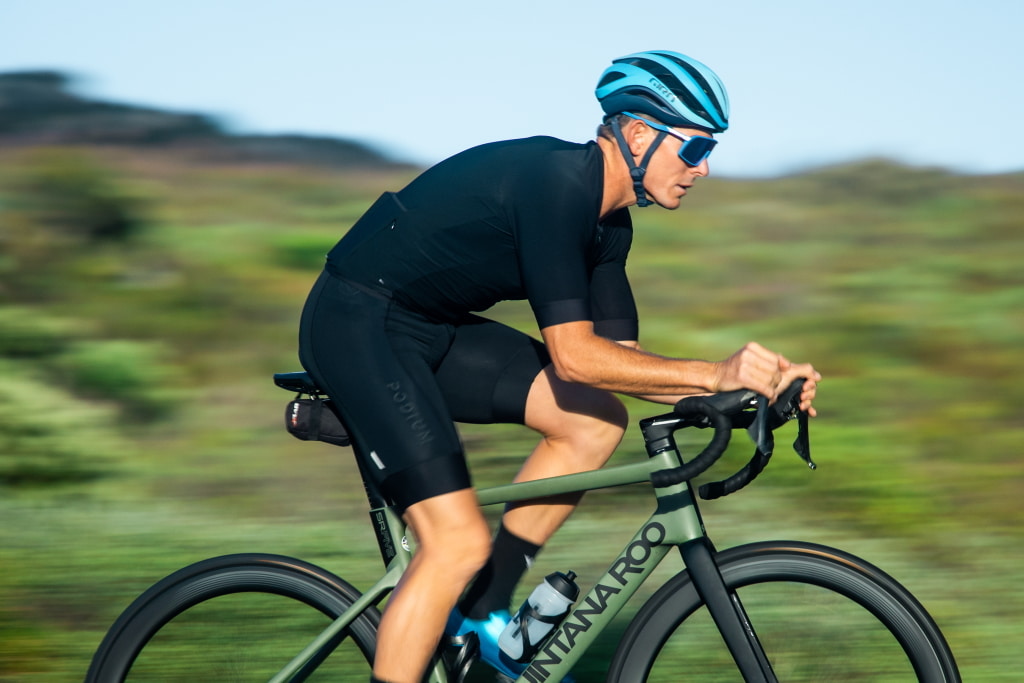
{"x": 673, "y": 88}
{"x": 610, "y": 76}
{"x": 677, "y": 87}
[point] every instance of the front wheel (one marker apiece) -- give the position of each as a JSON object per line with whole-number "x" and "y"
{"x": 236, "y": 618}
{"x": 820, "y": 614}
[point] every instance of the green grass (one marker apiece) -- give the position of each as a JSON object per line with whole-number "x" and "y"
{"x": 903, "y": 287}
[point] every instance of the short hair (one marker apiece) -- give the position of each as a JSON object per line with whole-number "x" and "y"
{"x": 605, "y": 129}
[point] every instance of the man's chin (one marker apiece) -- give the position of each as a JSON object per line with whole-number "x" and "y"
{"x": 671, "y": 204}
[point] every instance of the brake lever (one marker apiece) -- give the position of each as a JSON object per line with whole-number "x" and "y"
{"x": 771, "y": 416}
{"x": 802, "y": 445}
{"x": 758, "y": 430}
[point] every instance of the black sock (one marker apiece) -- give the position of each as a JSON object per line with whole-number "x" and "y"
{"x": 492, "y": 588}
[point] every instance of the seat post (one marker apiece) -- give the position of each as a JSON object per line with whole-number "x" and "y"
{"x": 302, "y": 383}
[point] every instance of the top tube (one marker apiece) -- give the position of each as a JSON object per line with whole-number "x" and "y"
{"x": 619, "y": 475}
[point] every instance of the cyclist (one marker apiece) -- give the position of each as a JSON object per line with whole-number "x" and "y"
{"x": 390, "y": 332}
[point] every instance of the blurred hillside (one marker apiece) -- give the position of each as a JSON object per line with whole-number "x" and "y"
{"x": 150, "y": 286}
{"x": 41, "y": 108}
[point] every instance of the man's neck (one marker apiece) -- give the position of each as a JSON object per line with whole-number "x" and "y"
{"x": 617, "y": 192}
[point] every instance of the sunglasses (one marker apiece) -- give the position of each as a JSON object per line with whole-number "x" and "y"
{"x": 695, "y": 149}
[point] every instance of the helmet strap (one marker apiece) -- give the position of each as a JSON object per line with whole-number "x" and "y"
{"x": 637, "y": 173}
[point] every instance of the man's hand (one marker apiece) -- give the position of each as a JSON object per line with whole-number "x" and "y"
{"x": 768, "y": 373}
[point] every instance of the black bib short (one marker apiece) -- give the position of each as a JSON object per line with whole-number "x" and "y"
{"x": 389, "y": 329}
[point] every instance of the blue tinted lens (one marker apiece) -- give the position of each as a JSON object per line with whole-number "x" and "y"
{"x": 695, "y": 150}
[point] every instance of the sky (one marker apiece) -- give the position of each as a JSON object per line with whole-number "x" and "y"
{"x": 811, "y": 82}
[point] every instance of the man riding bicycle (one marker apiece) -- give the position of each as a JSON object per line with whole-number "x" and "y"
{"x": 389, "y": 331}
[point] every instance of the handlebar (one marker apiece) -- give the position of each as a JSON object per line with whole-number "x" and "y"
{"x": 724, "y": 412}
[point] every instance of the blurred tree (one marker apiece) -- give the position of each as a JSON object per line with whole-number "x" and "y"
{"x": 64, "y": 191}
{"x": 60, "y": 207}
{"x": 133, "y": 374}
{"x": 49, "y": 437}
{"x": 29, "y": 334}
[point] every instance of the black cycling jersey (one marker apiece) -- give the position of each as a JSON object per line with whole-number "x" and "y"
{"x": 508, "y": 220}
{"x": 387, "y": 330}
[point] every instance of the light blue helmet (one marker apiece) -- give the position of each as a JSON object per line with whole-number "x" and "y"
{"x": 675, "y": 89}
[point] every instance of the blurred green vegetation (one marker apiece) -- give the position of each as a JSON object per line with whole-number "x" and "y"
{"x": 145, "y": 301}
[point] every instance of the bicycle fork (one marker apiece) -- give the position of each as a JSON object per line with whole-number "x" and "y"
{"x": 727, "y": 612}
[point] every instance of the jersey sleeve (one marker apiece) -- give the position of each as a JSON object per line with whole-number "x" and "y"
{"x": 555, "y": 224}
{"x": 613, "y": 307}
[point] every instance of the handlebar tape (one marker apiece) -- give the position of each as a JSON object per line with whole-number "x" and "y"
{"x": 761, "y": 431}
{"x": 725, "y": 411}
{"x": 696, "y": 406}
{"x": 717, "y": 489}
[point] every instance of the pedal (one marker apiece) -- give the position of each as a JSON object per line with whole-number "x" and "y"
{"x": 459, "y": 654}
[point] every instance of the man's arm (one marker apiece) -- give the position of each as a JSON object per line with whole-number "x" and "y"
{"x": 580, "y": 356}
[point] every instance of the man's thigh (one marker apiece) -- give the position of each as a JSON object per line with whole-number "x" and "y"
{"x": 488, "y": 371}
{"x": 382, "y": 382}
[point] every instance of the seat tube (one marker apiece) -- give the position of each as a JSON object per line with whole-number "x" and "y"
{"x": 727, "y": 612}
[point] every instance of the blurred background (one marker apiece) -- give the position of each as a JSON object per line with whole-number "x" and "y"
{"x": 170, "y": 179}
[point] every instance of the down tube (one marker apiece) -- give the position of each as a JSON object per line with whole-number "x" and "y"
{"x": 596, "y": 610}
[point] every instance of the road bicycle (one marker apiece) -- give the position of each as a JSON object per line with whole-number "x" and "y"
{"x": 768, "y": 611}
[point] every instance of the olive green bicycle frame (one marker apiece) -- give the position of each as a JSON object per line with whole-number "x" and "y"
{"x": 675, "y": 522}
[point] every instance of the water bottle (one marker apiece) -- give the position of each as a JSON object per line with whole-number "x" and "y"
{"x": 543, "y": 610}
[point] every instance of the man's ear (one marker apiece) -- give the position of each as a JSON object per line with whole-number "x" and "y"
{"x": 637, "y": 136}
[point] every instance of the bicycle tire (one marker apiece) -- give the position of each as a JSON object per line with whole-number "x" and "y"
{"x": 781, "y": 585}
{"x": 166, "y": 633}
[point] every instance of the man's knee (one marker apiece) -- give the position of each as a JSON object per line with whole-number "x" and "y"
{"x": 591, "y": 405}
{"x": 451, "y": 531}
{"x": 601, "y": 427}
{"x": 613, "y": 412}
{"x": 473, "y": 544}
{"x": 593, "y": 423}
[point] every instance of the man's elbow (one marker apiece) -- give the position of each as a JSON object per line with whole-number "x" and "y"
{"x": 577, "y": 355}
{"x": 568, "y": 372}
{"x": 572, "y": 368}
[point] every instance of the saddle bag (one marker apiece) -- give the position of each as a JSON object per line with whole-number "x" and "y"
{"x": 313, "y": 419}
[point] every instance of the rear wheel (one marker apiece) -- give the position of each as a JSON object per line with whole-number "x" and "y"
{"x": 820, "y": 614}
{"x": 236, "y": 618}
